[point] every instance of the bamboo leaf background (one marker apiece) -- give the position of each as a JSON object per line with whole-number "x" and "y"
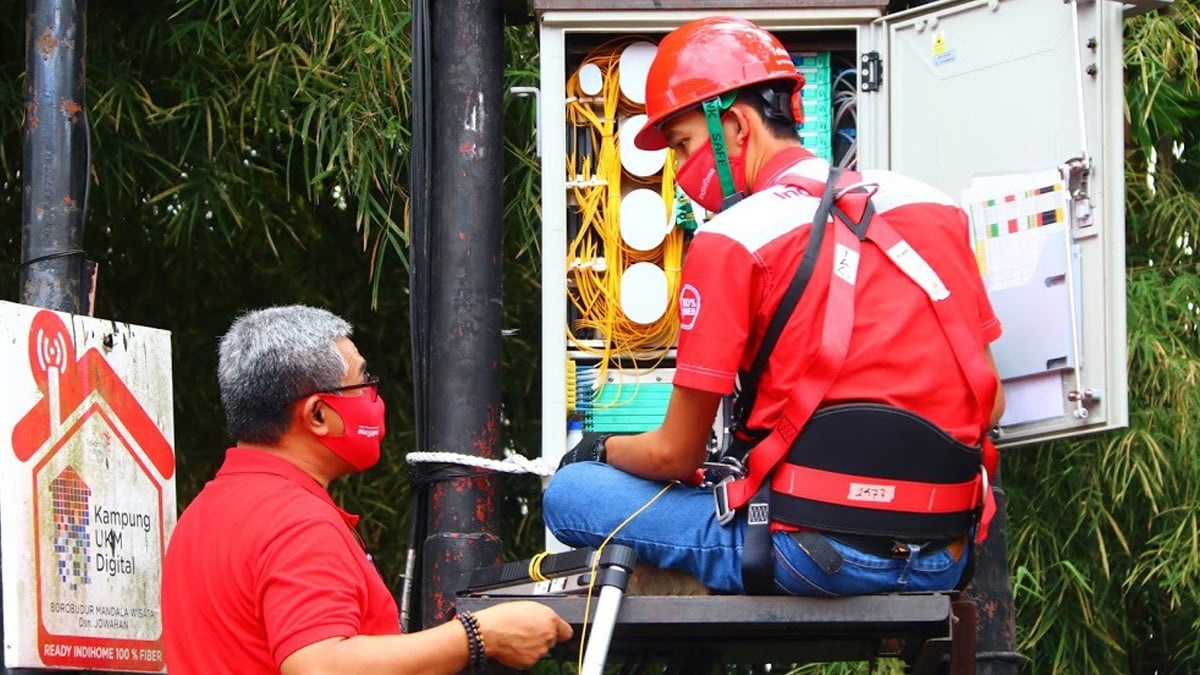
{"x": 254, "y": 152}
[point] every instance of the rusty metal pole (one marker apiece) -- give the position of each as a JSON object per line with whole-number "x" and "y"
{"x": 54, "y": 164}
{"x": 463, "y": 412}
{"x": 990, "y": 590}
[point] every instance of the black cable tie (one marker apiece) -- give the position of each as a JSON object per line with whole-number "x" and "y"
{"x": 49, "y": 256}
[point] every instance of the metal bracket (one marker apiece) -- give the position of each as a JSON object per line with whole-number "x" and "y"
{"x": 522, "y": 92}
{"x": 871, "y": 72}
{"x": 1077, "y": 173}
{"x": 1132, "y": 8}
{"x": 1089, "y": 395}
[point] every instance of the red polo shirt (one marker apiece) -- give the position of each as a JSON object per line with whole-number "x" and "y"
{"x": 261, "y": 564}
{"x": 739, "y": 265}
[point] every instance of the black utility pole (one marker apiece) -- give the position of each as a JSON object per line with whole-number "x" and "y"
{"x": 462, "y": 411}
{"x": 54, "y": 164}
{"x": 55, "y": 161}
{"x": 995, "y": 636}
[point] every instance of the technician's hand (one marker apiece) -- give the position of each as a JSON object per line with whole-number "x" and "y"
{"x": 590, "y": 448}
{"x": 520, "y": 633}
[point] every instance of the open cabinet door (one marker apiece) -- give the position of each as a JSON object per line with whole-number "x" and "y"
{"x": 1014, "y": 108}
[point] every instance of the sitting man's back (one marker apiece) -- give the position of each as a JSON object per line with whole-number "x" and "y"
{"x": 852, "y": 316}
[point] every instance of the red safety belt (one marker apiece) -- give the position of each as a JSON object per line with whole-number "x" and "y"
{"x": 835, "y": 342}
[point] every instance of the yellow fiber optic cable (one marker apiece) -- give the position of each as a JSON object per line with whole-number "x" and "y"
{"x": 597, "y": 256}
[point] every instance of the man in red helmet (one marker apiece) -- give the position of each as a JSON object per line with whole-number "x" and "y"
{"x": 850, "y": 314}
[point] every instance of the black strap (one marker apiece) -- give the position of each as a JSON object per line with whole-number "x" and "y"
{"x": 749, "y": 380}
{"x": 859, "y": 227}
{"x": 758, "y": 560}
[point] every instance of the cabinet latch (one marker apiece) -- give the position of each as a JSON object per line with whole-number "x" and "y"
{"x": 1077, "y": 173}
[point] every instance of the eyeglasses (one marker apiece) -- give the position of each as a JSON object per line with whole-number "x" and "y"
{"x": 370, "y": 384}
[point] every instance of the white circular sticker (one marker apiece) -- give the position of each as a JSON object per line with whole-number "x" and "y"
{"x": 635, "y": 160}
{"x": 632, "y": 69}
{"x": 644, "y": 292}
{"x": 591, "y": 79}
{"x": 643, "y": 219}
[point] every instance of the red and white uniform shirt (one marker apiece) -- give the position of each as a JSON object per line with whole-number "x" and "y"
{"x": 740, "y": 263}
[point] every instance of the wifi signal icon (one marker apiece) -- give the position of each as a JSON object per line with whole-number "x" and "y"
{"x": 51, "y": 351}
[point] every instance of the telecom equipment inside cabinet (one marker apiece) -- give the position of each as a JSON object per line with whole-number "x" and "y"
{"x": 1012, "y": 107}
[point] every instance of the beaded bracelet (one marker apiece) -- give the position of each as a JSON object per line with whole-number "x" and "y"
{"x": 475, "y": 644}
{"x": 478, "y": 637}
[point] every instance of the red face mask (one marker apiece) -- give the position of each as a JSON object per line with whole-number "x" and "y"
{"x": 699, "y": 179}
{"x": 362, "y": 427}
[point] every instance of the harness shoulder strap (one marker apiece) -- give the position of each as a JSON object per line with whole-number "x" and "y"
{"x": 749, "y": 380}
{"x": 951, "y": 317}
{"x": 757, "y": 562}
{"x": 838, "y": 322}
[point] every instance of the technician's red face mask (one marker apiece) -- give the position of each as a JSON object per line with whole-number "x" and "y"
{"x": 362, "y": 413}
{"x": 698, "y": 178}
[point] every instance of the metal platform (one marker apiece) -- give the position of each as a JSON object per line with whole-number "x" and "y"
{"x": 703, "y": 630}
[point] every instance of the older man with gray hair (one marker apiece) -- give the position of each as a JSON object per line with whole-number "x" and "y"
{"x": 264, "y": 573}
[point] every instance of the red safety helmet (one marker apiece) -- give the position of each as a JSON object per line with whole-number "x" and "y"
{"x": 708, "y": 57}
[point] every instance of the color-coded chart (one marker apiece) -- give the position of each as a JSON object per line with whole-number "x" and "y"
{"x": 1013, "y": 219}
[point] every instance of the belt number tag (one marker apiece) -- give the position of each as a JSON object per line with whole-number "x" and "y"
{"x": 866, "y": 492}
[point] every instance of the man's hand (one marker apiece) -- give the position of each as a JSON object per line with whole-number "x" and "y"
{"x": 590, "y": 448}
{"x": 518, "y": 634}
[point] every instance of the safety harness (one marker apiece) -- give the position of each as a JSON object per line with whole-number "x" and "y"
{"x": 856, "y": 470}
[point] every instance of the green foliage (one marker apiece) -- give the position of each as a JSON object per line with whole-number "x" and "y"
{"x": 254, "y": 119}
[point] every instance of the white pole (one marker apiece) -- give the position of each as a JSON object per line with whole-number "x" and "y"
{"x": 601, "y": 630}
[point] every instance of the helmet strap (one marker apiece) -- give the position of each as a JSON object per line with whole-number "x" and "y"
{"x": 713, "y": 108}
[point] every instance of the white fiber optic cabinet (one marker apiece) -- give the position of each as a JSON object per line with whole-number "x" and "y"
{"x": 1012, "y": 107}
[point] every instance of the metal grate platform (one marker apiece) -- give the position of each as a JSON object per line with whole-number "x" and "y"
{"x": 917, "y": 628}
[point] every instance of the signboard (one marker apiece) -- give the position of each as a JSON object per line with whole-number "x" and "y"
{"x": 87, "y": 489}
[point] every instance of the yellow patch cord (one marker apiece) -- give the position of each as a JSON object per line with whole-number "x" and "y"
{"x": 597, "y": 256}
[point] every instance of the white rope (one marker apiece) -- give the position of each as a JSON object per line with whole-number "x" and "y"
{"x": 513, "y": 463}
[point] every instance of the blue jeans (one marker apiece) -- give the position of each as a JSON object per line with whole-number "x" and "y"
{"x": 586, "y": 501}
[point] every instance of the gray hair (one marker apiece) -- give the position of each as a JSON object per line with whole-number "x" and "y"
{"x": 271, "y": 357}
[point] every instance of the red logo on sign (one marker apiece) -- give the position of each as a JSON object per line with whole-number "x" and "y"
{"x": 51, "y": 347}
